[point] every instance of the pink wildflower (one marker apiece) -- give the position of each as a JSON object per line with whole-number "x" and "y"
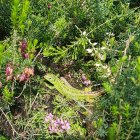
{"x": 22, "y": 77}
{"x": 29, "y": 72}
{"x": 9, "y": 70}
{"x": 83, "y": 77}
{"x": 87, "y": 82}
{"x": 56, "y": 125}
{"x": 10, "y": 77}
{"x": 49, "y": 117}
{"x": 26, "y": 55}
{"x": 66, "y": 125}
{"x": 23, "y": 46}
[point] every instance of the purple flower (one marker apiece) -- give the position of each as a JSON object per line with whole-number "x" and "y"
{"x": 87, "y": 82}
{"x": 56, "y": 125}
{"x": 58, "y": 121}
{"x": 61, "y": 122}
{"x": 53, "y": 129}
{"x": 66, "y": 125}
{"x": 84, "y": 77}
{"x": 23, "y": 45}
{"x": 26, "y": 55}
{"x": 49, "y": 117}
{"x": 23, "y": 48}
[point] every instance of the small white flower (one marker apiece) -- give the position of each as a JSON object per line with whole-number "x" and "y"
{"x": 89, "y": 50}
{"x": 98, "y": 65}
{"x": 84, "y": 33}
{"x": 102, "y": 57}
{"x": 112, "y": 34}
{"x": 95, "y": 43}
{"x": 103, "y": 48}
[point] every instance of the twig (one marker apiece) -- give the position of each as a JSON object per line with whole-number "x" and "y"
{"x": 128, "y": 41}
{"x": 22, "y": 90}
{"x": 119, "y": 126}
{"x": 14, "y": 131}
{"x": 37, "y": 55}
{"x": 33, "y": 103}
{"x": 134, "y": 122}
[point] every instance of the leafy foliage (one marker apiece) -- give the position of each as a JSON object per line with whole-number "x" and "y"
{"x": 90, "y": 39}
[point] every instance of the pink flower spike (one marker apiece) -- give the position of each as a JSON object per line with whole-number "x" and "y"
{"x": 26, "y": 55}
{"x": 22, "y": 77}
{"x": 23, "y": 46}
{"x": 8, "y": 71}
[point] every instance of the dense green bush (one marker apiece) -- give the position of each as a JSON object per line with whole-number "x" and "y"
{"x": 5, "y": 23}
{"x": 71, "y": 38}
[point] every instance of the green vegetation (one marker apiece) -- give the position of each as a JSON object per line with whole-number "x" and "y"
{"x": 93, "y": 45}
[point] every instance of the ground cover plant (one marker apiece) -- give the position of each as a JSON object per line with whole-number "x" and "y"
{"x": 55, "y": 56}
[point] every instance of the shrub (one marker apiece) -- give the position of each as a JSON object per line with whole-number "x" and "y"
{"x": 93, "y": 42}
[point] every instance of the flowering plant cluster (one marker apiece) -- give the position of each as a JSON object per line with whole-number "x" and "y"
{"x": 26, "y": 74}
{"x": 23, "y": 49}
{"x": 9, "y": 72}
{"x": 85, "y": 81}
{"x": 56, "y": 125}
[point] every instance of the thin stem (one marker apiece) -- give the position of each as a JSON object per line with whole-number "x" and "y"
{"x": 14, "y": 131}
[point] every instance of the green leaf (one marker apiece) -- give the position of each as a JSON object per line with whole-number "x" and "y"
{"x": 107, "y": 87}
{"x": 8, "y": 96}
{"x": 3, "y": 138}
{"x": 112, "y": 131}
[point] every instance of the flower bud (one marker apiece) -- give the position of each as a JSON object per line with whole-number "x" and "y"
{"x": 83, "y": 77}
{"x": 22, "y": 77}
{"x": 23, "y": 45}
{"x": 9, "y": 77}
{"x": 87, "y": 82}
{"x": 29, "y": 72}
{"x": 26, "y": 55}
{"x": 49, "y": 6}
{"x": 8, "y": 71}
